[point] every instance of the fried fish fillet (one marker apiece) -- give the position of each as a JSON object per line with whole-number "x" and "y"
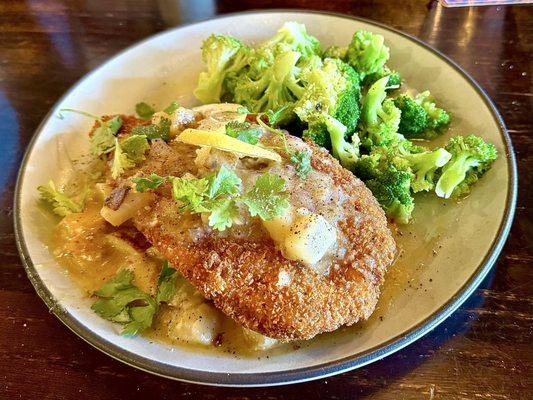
{"x": 242, "y": 271}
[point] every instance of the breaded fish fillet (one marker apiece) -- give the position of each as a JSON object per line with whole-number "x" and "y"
{"x": 245, "y": 275}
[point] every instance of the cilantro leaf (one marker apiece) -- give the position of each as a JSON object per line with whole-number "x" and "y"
{"x": 268, "y": 198}
{"x": 171, "y": 107}
{"x": 225, "y": 181}
{"x": 153, "y": 181}
{"x": 154, "y": 131}
{"x": 243, "y": 110}
{"x": 121, "y": 301}
{"x": 121, "y": 161}
{"x": 102, "y": 140}
{"x": 243, "y": 131}
{"x": 144, "y": 110}
{"x": 302, "y": 163}
{"x": 135, "y": 146}
{"x": 166, "y": 283}
{"x": 275, "y": 116}
{"x": 60, "y": 202}
{"x": 190, "y": 192}
{"x": 223, "y": 213}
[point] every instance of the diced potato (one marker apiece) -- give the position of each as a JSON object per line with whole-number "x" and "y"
{"x": 132, "y": 203}
{"x": 309, "y": 238}
{"x": 278, "y": 227}
{"x": 197, "y": 324}
{"x": 256, "y": 341}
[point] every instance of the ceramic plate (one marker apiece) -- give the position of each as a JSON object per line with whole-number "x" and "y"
{"x": 420, "y": 292}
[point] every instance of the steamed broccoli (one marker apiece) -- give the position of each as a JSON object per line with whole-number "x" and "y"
{"x": 421, "y": 118}
{"x": 471, "y": 158}
{"x": 395, "y": 80}
{"x": 333, "y": 90}
{"x": 347, "y": 153}
{"x": 223, "y": 56}
{"x": 367, "y": 53}
{"x": 336, "y": 52}
{"x": 379, "y": 116}
{"x": 296, "y": 37}
{"x": 276, "y": 87}
{"x": 392, "y": 190}
{"x": 423, "y": 165}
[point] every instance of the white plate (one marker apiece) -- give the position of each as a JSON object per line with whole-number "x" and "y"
{"x": 165, "y": 67}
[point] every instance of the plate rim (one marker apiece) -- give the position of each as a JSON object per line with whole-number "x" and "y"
{"x": 275, "y": 378}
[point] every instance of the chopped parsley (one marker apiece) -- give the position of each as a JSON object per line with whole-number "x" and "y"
{"x": 225, "y": 181}
{"x": 300, "y": 159}
{"x": 166, "y": 283}
{"x": 60, "y": 202}
{"x": 160, "y": 130}
{"x": 223, "y": 214}
{"x": 191, "y": 193}
{"x": 102, "y": 140}
{"x": 243, "y": 131}
{"x": 153, "y": 181}
{"x": 123, "y": 302}
{"x": 135, "y": 147}
{"x": 268, "y": 198}
{"x": 121, "y": 161}
{"x": 144, "y": 110}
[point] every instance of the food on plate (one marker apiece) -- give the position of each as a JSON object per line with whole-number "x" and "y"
{"x": 259, "y": 217}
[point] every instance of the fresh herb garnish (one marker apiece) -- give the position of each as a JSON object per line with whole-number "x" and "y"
{"x": 153, "y": 181}
{"x": 224, "y": 213}
{"x": 268, "y": 198}
{"x": 160, "y": 130}
{"x": 171, "y": 107}
{"x": 243, "y": 131}
{"x": 60, "y": 202}
{"x": 102, "y": 140}
{"x": 123, "y": 302}
{"x": 243, "y": 110}
{"x": 166, "y": 283}
{"x": 144, "y": 110}
{"x": 121, "y": 161}
{"x": 135, "y": 147}
{"x": 300, "y": 159}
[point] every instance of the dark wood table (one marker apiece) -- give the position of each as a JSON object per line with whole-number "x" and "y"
{"x": 483, "y": 351}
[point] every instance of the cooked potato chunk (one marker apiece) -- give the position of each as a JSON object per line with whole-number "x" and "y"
{"x": 132, "y": 203}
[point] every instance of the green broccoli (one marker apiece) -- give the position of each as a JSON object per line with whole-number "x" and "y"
{"x": 421, "y": 118}
{"x": 336, "y": 52}
{"x": 330, "y": 90}
{"x": 392, "y": 190}
{"x": 347, "y": 153}
{"x": 395, "y": 80}
{"x": 296, "y": 37}
{"x": 423, "y": 165}
{"x": 223, "y": 56}
{"x": 276, "y": 87}
{"x": 367, "y": 53}
{"x": 471, "y": 158}
{"x": 379, "y": 116}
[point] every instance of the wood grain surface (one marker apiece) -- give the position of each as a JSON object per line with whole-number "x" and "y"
{"x": 483, "y": 351}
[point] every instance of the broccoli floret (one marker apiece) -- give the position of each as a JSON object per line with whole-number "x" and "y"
{"x": 379, "y": 116}
{"x": 367, "y": 53}
{"x": 423, "y": 165}
{"x": 336, "y": 52}
{"x": 471, "y": 158}
{"x": 392, "y": 190}
{"x": 332, "y": 90}
{"x": 437, "y": 117}
{"x": 224, "y": 56}
{"x": 296, "y": 37}
{"x": 318, "y": 133}
{"x": 276, "y": 87}
{"x": 421, "y": 118}
{"x": 414, "y": 119}
{"x": 347, "y": 153}
{"x": 395, "y": 80}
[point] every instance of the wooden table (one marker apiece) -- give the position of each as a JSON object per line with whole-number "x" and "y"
{"x": 484, "y": 351}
